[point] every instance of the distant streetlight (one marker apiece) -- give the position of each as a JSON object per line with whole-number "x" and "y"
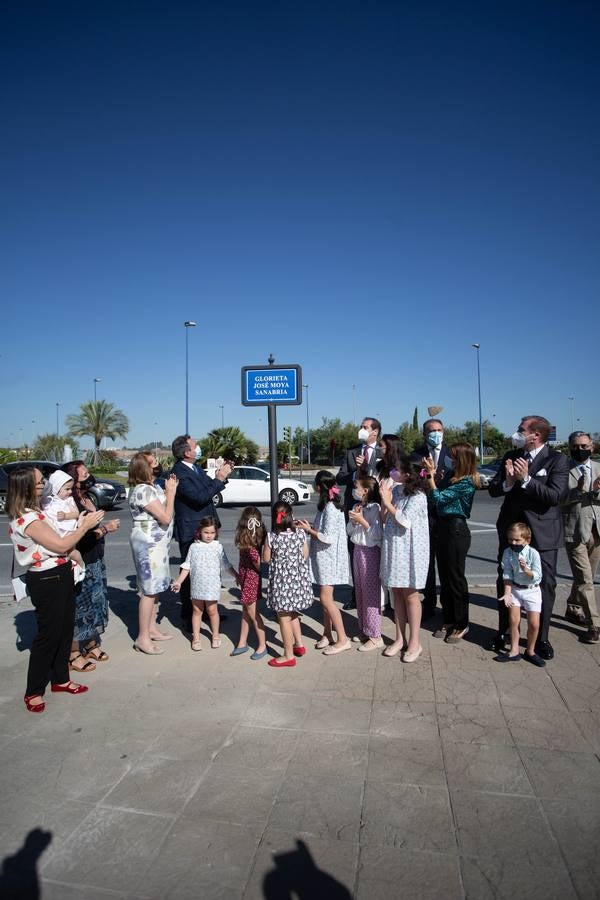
{"x": 476, "y": 347}
{"x": 96, "y": 382}
{"x": 57, "y": 428}
{"x": 155, "y": 438}
{"x": 354, "y": 404}
{"x": 305, "y": 386}
{"x": 572, "y": 399}
{"x": 188, "y": 325}
{"x": 221, "y": 407}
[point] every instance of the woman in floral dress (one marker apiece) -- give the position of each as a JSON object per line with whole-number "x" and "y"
{"x": 152, "y": 511}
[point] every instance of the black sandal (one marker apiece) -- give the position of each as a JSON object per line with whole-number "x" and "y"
{"x": 89, "y": 651}
{"x": 88, "y": 667}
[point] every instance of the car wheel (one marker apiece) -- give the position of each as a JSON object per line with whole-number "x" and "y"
{"x": 217, "y": 501}
{"x": 2, "y": 503}
{"x": 287, "y": 495}
{"x": 91, "y": 496}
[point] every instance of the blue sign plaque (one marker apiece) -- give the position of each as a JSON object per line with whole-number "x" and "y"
{"x": 281, "y": 385}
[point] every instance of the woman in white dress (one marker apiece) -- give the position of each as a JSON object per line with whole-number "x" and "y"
{"x": 152, "y": 512}
{"x": 405, "y": 552}
{"x": 329, "y": 559}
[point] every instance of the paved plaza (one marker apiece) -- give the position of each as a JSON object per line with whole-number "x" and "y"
{"x": 194, "y": 775}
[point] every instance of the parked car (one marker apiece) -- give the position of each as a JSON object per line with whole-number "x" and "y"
{"x": 104, "y": 494}
{"x": 488, "y": 470}
{"x": 249, "y": 485}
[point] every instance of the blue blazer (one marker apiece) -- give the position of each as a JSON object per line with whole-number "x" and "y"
{"x": 193, "y": 500}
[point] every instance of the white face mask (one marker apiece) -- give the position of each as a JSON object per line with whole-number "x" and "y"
{"x": 357, "y": 495}
{"x": 363, "y": 435}
{"x": 435, "y": 438}
{"x": 518, "y": 440}
{"x": 197, "y": 451}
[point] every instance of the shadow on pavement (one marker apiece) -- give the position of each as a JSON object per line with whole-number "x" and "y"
{"x": 19, "y": 877}
{"x": 26, "y": 630}
{"x": 296, "y": 875}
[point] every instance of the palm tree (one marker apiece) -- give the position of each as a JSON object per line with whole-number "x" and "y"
{"x": 100, "y": 419}
{"x": 231, "y": 443}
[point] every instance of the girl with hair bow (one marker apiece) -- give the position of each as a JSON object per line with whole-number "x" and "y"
{"x": 250, "y": 537}
{"x": 289, "y": 591}
{"x": 329, "y": 559}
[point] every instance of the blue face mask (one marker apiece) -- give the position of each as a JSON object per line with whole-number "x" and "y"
{"x": 435, "y": 438}
{"x": 198, "y": 452}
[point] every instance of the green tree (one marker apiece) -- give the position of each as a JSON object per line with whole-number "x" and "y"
{"x": 415, "y": 421}
{"x": 99, "y": 419}
{"x": 410, "y": 436}
{"x": 49, "y": 446}
{"x": 322, "y": 437}
{"x": 231, "y": 443}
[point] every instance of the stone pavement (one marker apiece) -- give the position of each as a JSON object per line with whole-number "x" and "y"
{"x": 193, "y": 775}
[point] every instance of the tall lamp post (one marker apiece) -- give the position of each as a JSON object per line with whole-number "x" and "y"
{"x": 57, "y": 429}
{"x": 476, "y": 347}
{"x": 221, "y": 407}
{"x": 96, "y": 382}
{"x": 572, "y": 399}
{"x": 188, "y": 325}
{"x": 354, "y": 404}
{"x": 305, "y": 386}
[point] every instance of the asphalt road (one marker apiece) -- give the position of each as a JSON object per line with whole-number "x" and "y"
{"x": 481, "y": 562}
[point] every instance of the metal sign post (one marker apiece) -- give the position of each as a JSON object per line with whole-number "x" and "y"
{"x": 272, "y": 386}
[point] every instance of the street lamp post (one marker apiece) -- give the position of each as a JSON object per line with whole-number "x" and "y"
{"x": 221, "y": 407}
{"x": 188, "y": 325}
{"x": 305, "y": 386}
{"x": 96, "y": 382}
{"x": 572, "y": 399}
{"x": 57, "y": 428}
{"x": 476, "y": 347}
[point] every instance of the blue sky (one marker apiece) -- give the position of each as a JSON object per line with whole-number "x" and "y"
{"x": 363, "y": 189}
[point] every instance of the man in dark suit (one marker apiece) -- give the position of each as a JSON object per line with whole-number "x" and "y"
{"x": 434, "y": 448}
{"x": 533, "y": 479}
{"x": 364, "y": 458}
{"x": 193, "y": 501}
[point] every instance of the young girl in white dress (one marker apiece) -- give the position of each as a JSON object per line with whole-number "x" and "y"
{"x": 203, "y": 565}
{"x": 329, "y": 559}
{"x": 405, "y": 553}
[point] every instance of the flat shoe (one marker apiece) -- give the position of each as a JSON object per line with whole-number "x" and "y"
{"x": 163, "y": 637}
{"x": 322, "y": 643}
{"x": 281, "y": 663}
{"x": 156, "y": 651}
{"x": 299, "y": 651}
{"x": 371, "y": 644}
{"x": 196, "y": 645}
{"x": 412, "y": 657}
{"x": 256, "y": 655}
{"x": 215, "y": 643}
{"x": 534, "y": 659}
{"x": 34, "y": 707}
{"x": 237, "y": 651}
{"x": 504, "y": 657}
{"x": 387, "y": 653}
{"x": 331, "y": 651}
{"x": 455, "y": 636}
{"x": 71, "y": 687}
{"x": 441, "y": 633}
{"x": 356, "y": 639}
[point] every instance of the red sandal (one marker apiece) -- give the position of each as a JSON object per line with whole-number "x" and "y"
{"x": 71, "y": 687}
{"x": 34, "y": 707}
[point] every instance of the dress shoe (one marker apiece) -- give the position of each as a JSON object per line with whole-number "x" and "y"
{"x": 591, "y": 636}
{"x": 535, "y": 658}
{"x": 351, "y": 604}
{"x": 544, "y": 649}
{"x": 575, "y": 615}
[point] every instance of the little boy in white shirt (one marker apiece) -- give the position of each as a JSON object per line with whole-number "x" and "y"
{"x": 522, "y": 574}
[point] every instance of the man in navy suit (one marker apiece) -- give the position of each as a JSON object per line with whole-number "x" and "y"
{"x": 434, "y": 448}
{"x": 534, "y": 481}
{"x": 193, "y": 501}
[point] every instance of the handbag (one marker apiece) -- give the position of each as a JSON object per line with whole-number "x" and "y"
{"x": 18, "y": 584}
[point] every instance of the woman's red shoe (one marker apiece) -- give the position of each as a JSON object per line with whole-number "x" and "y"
{"x": 34, "y": 707}
{"x": 70, "y": 688}
{"x": 280, "y": 663}
{"x": 299, "y": 651}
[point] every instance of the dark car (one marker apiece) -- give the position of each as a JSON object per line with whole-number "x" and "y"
{"x": 488, "y": 470}
{"x": 104, "y": 494}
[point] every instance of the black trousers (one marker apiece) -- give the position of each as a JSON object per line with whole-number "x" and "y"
{"x": 184, "y": 593}
{"x": 52, "y": 596}
{"x": 430, "y": 592}
{"x": 453, "y": 542}
{"x": 549, "y": 559}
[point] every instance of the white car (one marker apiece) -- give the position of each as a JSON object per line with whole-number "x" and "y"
{"x": 249, "y": 486}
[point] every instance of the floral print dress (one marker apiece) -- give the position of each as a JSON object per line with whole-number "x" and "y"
{"x": 149, "y": 541}
{"x": 289, "y": 589}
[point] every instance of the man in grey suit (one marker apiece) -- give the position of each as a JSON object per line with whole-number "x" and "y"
{"x": 533, "y": 480}
{"x": 581, "y": 516}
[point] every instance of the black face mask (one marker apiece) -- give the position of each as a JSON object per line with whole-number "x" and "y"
{"x": 157, "y": 471}
{"x": 517, "y": 547}
{"x": 581, "y": 455}
{"x": 89, "y": 482}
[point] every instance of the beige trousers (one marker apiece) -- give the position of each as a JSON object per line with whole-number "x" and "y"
{"x": 584, "y": 559}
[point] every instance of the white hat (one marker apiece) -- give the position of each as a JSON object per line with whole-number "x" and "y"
{"x": 55, "y": 482}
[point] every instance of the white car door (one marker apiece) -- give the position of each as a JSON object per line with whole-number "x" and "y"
{"x": 258, "y": 487}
